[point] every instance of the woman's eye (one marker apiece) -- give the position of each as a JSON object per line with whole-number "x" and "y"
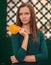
{"x": 24, "y": 14}
{"x": 20, "y": 13}
{"x": 27, "y": 13}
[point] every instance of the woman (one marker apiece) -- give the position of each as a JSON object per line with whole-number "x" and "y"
{"x": 29, "y": 46}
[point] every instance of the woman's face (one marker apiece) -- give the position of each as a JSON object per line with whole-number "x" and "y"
{"x": 24, "y": 15}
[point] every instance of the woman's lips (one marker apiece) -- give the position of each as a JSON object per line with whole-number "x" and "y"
{"x": 24, "y": 20}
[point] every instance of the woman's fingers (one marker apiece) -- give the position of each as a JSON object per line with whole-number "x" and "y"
{"x": 23, "y": 32}
{"x": 13, "y": 59}
{"x": 14, "y": 62}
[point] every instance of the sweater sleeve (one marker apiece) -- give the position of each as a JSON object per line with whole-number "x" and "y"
{"x": 18, "y": 51}
{"x": 43, "y": 55}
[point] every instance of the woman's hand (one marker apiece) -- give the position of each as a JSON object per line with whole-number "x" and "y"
{"x": 13, "y": 59}
{"x": 23, "y": 32}
{"x": 30, "y": 58}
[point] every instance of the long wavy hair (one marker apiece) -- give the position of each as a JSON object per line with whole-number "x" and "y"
{"x": 33, "y": 26}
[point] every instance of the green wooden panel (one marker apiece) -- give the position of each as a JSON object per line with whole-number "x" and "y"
{"x": 4, "y": 42}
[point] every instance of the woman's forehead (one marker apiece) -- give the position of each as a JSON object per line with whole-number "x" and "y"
{"x": 24, "y": 9}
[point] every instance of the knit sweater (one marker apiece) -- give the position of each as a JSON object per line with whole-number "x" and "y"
{"x": 38, "y": 49}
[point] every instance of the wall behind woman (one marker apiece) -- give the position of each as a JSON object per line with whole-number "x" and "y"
{"x": 8, "y": 10}
{"x": 2, "y": 30}
{"x": 5, "y": 46}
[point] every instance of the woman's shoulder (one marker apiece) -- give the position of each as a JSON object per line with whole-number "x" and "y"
{"x": 16, "y": 35}
{"x": 39, "y": 32}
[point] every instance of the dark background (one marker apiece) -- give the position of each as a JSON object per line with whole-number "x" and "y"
{"x": 5, "y": 42}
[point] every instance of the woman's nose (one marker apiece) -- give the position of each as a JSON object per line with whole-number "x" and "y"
{"x": 23, "y": 16}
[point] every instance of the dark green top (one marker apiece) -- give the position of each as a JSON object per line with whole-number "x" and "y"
{"x": 39, "y": 48}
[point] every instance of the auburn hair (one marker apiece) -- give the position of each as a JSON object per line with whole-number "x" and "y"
{"x": 33, "y": 26}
